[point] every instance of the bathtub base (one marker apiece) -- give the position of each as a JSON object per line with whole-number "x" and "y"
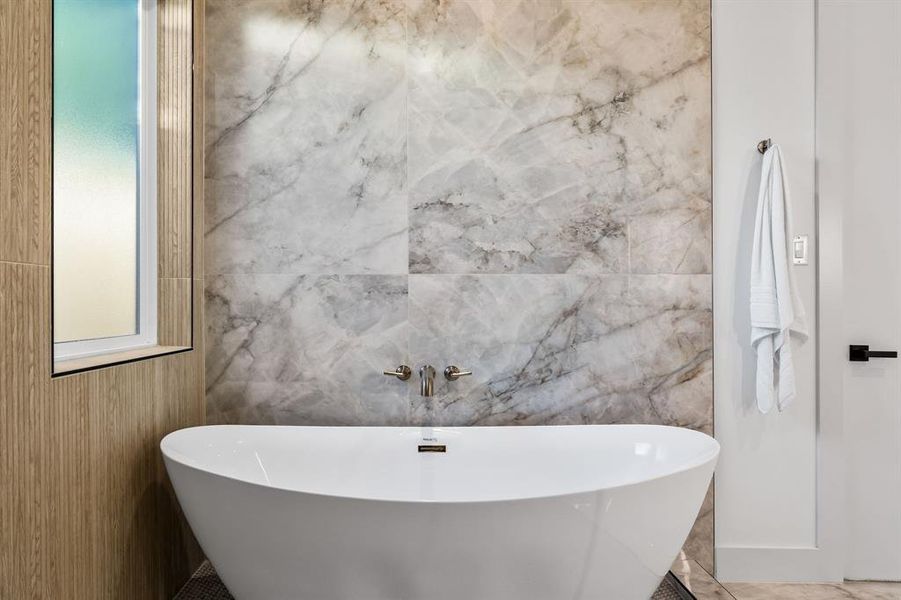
{"x": 606, "y": 544}
{"x": 271, "y": 543}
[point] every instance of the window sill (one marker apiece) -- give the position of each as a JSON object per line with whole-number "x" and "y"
{"x": 77, "y": 365}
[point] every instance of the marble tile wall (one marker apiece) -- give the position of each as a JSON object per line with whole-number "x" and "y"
{"x": 519, "y": 187}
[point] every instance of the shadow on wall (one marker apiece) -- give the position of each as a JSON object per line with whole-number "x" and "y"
{"x": 746, "y": 401}
{"x": 141, "y": 544}
{"x": 158, "y": 540}
{"x": 180, "y": 549}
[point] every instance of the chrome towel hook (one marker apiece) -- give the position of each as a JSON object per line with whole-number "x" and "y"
{"x": 764, "y": 144}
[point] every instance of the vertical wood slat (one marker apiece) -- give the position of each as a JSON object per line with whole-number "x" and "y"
{"x": 174, "y": 324}
{"x": 198, "y": 142}
{"x": 26, "y": 474}
{"x": 178, "y": 404}
{"x": 86, "y": 510}
{"x": 175, "y": 175}
{"x": 70, "y": 399}
{"x": 174, "y": 138}
{"x": 121, "y": 452}
{"x": 24, "y": 121}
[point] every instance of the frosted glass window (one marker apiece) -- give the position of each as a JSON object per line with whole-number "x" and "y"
{"x": 100, "y": 155}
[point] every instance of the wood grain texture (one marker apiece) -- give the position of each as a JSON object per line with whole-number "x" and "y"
{"x": 26, "y": 474}
{"x": 86, "y": 509}
{"x": 174, "y": 320}
{"x": 108, "y": 360}
{"x": 199, "y": 142}
{"x": 175, "y": 173}
{"x": 25, "y": 80}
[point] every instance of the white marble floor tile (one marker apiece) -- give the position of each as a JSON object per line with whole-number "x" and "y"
{"x": 850, "y": 590}
{"x": 698, "y": 581}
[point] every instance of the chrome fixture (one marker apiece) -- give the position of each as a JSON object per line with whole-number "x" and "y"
{"x": 403, "y": 372}
{"x": 426, "y": 381}
{"x": 763, "y": 145}
{"x": 453, "y": 373}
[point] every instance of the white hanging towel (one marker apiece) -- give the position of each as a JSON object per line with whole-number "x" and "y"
{"x": 776, "y": 309}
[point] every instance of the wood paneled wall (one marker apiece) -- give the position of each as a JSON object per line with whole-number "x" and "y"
{"x": 25, "y": 55}
{"x": 86, "y": 510}
{"x": 174, "y": 140}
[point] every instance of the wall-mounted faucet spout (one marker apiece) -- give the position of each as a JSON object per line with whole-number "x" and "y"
{"x": 426, "y": 381}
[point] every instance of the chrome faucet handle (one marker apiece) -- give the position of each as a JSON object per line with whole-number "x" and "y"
{"x": 453, "y": 373}
{"x": 403, "y": 372}
{"x": 426, "y": 381}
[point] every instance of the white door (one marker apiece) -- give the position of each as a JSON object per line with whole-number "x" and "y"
{"x": 859, "y": 118}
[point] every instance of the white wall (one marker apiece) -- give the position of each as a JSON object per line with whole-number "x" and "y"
{"x": 763, "y": 86}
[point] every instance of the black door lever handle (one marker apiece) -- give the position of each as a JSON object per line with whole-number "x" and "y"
{"x": 864, "y": 354}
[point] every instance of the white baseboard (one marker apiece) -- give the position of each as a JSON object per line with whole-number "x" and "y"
{"x": 790, "y": 565}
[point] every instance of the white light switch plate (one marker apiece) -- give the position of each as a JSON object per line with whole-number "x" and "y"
{"x": 799, "y": 250}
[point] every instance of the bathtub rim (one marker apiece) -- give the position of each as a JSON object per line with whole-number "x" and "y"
{"x": 711, "y": 456}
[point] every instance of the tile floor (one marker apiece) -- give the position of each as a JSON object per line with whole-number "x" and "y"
{"x": 205, "y": 585}
{"x": 704, "y": 587}
{"x": 698, "y": 581}
{"x": 850, "y": 590}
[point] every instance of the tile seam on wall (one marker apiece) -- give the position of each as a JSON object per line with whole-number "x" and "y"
{"x": 281, "y": 391}
{"x": 67, "y": 513}
{"x": 24, "y": 264}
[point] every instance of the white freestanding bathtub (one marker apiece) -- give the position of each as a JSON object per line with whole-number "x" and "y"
{"x": 474, "y": 513}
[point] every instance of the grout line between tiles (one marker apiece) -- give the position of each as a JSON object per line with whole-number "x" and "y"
{"x": 717, "y": 581}
{"x": 23, "y": 264}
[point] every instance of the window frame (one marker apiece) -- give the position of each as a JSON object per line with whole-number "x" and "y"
{"x": 147, "y": 230}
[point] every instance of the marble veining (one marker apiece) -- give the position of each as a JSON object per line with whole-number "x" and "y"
{"x": 301, "y": 349}
{"x": 559, "y": 137}
{"x": 306, "y": 151}
{"x": 704, "y": 587}
{"x": 849, "y": 590}
{"x": 697, "y": 581}
{"x": 565, "y": 349}
{"x": 519, "y": 187}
